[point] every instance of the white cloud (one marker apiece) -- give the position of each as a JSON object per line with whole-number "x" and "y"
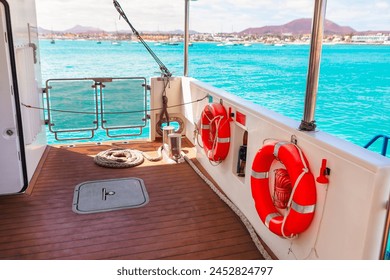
{"x": 361, "y": 15}
{"x": 382, "y": 4}
{"x": 207, "y": 15}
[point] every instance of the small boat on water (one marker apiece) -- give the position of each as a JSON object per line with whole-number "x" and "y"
{"x": 170, "y": 43}
{"x": 301, "y": 193}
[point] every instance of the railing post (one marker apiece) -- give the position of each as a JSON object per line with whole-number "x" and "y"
{"x": 384, "y": 145}
{"x": 186, "y": 36}
{"x": 308, "y": 122}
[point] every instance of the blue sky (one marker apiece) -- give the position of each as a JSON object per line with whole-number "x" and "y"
{"x": 208, "y": 15}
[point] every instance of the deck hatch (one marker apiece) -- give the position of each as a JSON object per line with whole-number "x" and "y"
{"x": 109, "y": 195}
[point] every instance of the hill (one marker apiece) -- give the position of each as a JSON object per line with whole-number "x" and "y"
{"x": 78, "y": 29}
{"x": 298, "y": 27}
{"x": 44, "y": 31}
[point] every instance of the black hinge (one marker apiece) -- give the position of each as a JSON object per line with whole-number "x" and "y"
{"x": 146, "y": 86}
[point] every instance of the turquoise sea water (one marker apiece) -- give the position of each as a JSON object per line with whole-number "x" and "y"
{"x": 354, "y": 87}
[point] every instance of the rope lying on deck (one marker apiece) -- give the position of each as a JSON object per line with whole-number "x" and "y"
{"x": 234, "y": 208}
{"x": 123, "y": 158}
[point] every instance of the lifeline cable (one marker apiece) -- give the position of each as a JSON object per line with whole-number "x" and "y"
{"x": 164, "y": 70}
{"x": 112, "y": 113}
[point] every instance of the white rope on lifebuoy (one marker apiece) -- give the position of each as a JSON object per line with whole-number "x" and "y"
{"x": 123, "y": 158}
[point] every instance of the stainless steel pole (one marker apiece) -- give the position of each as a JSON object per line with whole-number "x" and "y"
{"x": 186, "y": 36}
{"x": 308, "y": 122}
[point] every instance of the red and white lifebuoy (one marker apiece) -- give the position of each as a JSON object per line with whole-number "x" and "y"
{"x": 215, "y": 131}
{"x": 302, "y": 201}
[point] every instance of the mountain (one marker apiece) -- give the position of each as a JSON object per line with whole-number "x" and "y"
{"x": 298, "y": 27}
{"x": 44, "y": 31}
{"x": 172, "y": 32}
{"x": 78, "y": 29}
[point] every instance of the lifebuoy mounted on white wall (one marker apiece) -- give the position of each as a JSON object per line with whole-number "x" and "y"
{"x": 302, "y": 201}
{"x": 215, "y": 131}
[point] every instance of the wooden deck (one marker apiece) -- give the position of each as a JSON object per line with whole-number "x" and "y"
{"x": 183, "y": 220}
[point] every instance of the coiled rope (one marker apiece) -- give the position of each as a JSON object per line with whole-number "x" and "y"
{"x": 234, "y": 208}
{"x": 124, "y": 158}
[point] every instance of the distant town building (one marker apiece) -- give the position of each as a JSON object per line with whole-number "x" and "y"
{"x": 369, "y": 38}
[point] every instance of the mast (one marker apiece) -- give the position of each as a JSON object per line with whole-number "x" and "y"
{"x": 186, "y": 34}
{"x": 308, "y": 122}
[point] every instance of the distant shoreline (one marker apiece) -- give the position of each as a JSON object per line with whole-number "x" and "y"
{"x": 386, "y": 43}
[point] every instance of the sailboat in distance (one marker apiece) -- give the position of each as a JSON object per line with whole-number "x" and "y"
{"x": 52, "y": 41}
{"x": 116, "y": 42}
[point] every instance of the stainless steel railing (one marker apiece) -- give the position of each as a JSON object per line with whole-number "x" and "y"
{"x": 385, "y": 143}
{"x": 76, "y": 108}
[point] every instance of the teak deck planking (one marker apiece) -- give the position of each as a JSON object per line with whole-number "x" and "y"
{"x": 183, "y": 220}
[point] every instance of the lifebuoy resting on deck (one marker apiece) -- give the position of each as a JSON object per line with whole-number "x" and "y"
{"x": 301, "y": 204}
{"x": 215, "y": 131}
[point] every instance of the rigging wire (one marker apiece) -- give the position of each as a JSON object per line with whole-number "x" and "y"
{"x": 164, "y": 70}
{"x": 165, "y": 73}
